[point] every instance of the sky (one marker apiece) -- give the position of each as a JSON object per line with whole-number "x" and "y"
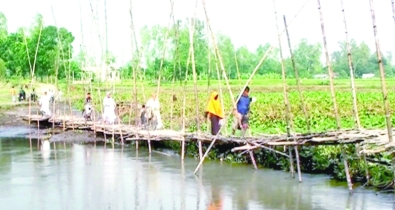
{"x": 247, "y": 22}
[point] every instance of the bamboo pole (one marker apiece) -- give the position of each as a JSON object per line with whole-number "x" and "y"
{"x": 164, "y": 47}
{"x": 191, "y": 37}
{"x": 184, "y": 107}
{"x": 134, "y": 46}
{"x": 208, "y": 71}
{"x": 221, "y": 97}
{"x": 382, "y": 74}
{"x": 69, "y": 94}
{"x": 248, "y": 81}
{"x": 357, "y": 122}
{"x": 288, "y": 117}
{"x": 216, "y": 49}
{"x": 329, "y": 68}
{"x": 297, "y": 78}
{"x": 177, "y": 54}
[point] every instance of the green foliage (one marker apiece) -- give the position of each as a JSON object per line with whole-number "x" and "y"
{"x": 18, "y": 50}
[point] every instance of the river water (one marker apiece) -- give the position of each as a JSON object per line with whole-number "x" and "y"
{"x": 76, "y": 176}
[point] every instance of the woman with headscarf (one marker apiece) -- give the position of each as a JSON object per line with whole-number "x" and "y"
{"x": 215, "y": 113}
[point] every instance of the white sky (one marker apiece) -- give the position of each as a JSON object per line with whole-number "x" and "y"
{"x": 247, "y": 22}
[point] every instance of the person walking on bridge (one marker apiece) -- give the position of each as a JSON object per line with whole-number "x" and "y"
{"x": 241, "y": 113}
{"x": 109, "y": 109}
{"x": 215, "y": 112}
{"x": 44, "y": 104}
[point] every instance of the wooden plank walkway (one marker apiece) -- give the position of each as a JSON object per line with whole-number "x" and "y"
{"x": 372, "y": 141}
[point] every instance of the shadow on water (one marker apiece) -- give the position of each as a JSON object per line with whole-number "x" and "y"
{"x": 93, "y": 176}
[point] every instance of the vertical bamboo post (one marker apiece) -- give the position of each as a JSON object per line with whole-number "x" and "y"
{"x": 220, "y": 90}
{"x": 329, "y": 68}
{"x": 134, "y": 50}
{"x": 382, "y": 74}
{"x": 357, "y": 122}
{"x": 216, "y": 49}
{"x": 69, "y": 94}
{"x": 288, "y": 117}
{"x": 191, "y": 38}
{"x": 164, "y": 48}
{"x": 346, "y": 168}
{"x": 297, "y": 77}
{"x": 183, "y": 109}
{"x": 208, "y": 74}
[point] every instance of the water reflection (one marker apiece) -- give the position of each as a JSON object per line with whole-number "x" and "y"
{"x": 74, "y": 176}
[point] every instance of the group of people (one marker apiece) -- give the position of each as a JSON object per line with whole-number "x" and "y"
{"x": 241, "y": 113}
{"x": 149, "y": 111}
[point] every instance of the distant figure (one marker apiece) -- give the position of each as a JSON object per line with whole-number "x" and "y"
{"x": 60, "y": 94}
{"x": 22, "y": 94}
{"x": 13, "y": 94}
{"x": 215, "y": 113}
{"x": 88, "y": 108}
{"x": 153, "y": 111}
{"x": 44, "y": 105}
{"x": 109, "y": 109}
{"x": 241, "y": 114}
{"x": 143, "y": 119}
{"x": 51, "y": 96}
{"x": 88, "y": 98}
{"x": 33, "y": 95}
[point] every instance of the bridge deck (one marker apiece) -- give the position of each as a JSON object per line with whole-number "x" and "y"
{"x": 372, "y": 141}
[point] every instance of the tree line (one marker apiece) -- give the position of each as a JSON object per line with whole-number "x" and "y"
{"x": 240, "y": 61}
{"x": 38, "y": 50}
{"x": 168, "y": 58}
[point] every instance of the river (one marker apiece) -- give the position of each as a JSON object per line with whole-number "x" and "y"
{"x": 87, "y": 176}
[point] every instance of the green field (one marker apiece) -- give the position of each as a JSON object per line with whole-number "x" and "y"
{"x": 268, "y": 113}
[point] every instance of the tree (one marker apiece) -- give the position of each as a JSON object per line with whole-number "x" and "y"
{"x": 3, "y": 27}
{"x": 3, "y": 69}
{"x": 307, "y": 58}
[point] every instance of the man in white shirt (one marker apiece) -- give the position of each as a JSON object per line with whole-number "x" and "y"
{"x": 153, "y": 106}
{"x": 44, "y": 104}
{"x": 109, "y": 109}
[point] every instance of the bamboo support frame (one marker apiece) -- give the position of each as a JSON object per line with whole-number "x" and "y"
{"x": 183, "y": 108}
{"x": 329, "y": 68}
{"x": 133, "y": 46}
{"x": 192, "y": 54}
{"x": 297, "y": 78}
{"x": 220, "y": 90}
{"x": 357, "y": 122}
{"x": 164, "y": 46}
{"x": 382, "y": 74}
{"x": 288, "y": 116}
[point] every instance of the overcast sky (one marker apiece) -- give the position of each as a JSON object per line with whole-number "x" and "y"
{"x": 247, "y": 22}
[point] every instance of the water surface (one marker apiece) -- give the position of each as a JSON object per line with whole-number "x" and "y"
{"x": 74, "y": 176}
